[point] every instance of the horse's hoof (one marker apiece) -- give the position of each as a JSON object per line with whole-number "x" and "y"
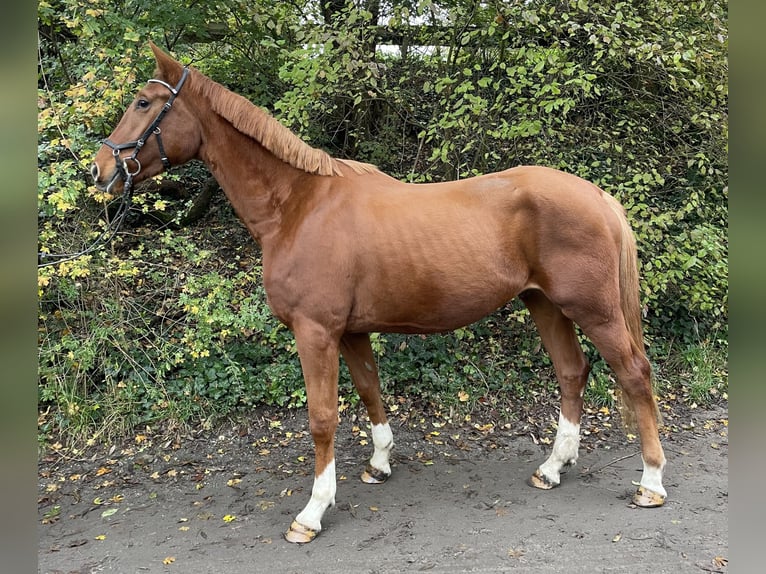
{"x": 299, "y": 534}
{"x": 646, "y": 498}
{"x": 539, "y": 480}
{"x": 374, "y": 476}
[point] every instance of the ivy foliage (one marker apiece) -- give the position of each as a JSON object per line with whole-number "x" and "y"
{"x": 170, "y": 322}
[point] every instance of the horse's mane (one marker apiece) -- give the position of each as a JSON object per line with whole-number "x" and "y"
{"x": 278, "y": 139}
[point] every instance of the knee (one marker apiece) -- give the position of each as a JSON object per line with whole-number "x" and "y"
{"x": 322, "y": 425}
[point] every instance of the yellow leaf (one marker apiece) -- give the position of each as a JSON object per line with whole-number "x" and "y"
{"x": 617, "y": 537}
{"x": 462, "y": 396}
{"x": 183, "y": 528}
{"x": 100, "y": 537}
{"x": 169, "y": 560}
{"x": 103, "y": 470}
{"x": 229, "y": 518}
{"x": 374, "y": 508}
{"x": 233, "y": 482}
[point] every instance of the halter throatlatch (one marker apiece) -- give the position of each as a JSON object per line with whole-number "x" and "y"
{"x": 126, "y": 174}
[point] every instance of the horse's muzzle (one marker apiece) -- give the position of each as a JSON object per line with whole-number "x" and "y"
{"x": 104, "y": 184}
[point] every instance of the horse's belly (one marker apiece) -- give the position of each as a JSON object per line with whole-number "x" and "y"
{"x": 433, "y": 308}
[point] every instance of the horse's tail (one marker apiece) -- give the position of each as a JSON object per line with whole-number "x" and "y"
{"x": 630, "y": 302}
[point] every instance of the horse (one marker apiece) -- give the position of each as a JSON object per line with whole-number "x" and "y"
{"x": 348, "y": 250}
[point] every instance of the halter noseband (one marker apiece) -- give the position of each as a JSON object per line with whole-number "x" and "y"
{"x": 154, "y": 128}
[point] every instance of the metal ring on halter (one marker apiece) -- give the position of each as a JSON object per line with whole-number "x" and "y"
{"x": 125, "y": 166}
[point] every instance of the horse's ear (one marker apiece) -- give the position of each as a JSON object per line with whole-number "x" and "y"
{"x": 164, "y": 62}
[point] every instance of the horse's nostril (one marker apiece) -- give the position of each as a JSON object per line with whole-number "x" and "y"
{"x": 94, "y": 172}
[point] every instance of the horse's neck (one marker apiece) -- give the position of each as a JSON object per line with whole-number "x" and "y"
{"x": 257, "y": 184}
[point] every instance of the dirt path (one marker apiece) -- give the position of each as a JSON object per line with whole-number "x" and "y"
{"x": 457, "y": 502}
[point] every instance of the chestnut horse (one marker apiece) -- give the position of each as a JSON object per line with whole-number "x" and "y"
{"x": 348, "y": 250}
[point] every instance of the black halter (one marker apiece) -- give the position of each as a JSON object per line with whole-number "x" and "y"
{"x": 125, "y": 174}
{"x": 154, "y": 128}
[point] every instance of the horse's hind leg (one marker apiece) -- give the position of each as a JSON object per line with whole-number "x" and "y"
{"x": 634, "y": 377}
{"x": 560, "y": 341}
{"x": 357, "y": 352}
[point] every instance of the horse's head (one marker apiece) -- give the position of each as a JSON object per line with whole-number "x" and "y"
{"x": 159, "y": 129}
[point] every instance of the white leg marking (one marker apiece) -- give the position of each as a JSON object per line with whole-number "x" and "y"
{"x": 322, "y": 496}
{"x": 383, "y": 440}
{"x": 652, "y": 478}
{"x": 565, "y": 449}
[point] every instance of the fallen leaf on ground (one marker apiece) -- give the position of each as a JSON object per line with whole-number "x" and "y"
{"x": 720, "y": 561}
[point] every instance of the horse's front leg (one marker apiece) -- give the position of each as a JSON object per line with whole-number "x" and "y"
{"x": 319, "y": 355}
{"x": 357, "y": 353}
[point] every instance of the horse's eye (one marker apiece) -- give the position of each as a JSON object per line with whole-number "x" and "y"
{"x": 142, "y": 104}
